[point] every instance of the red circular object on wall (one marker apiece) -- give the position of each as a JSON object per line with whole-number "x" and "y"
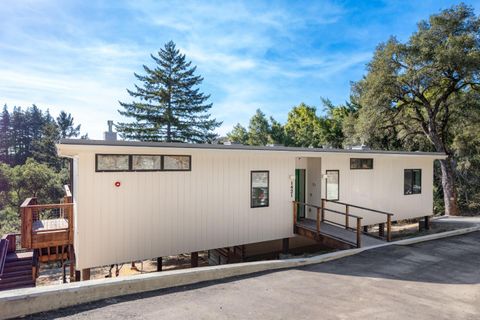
{"x": 117, "y": 184}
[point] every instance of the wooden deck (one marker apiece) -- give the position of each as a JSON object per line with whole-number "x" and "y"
{"x": 336, "y": 233}
{"x": 40, "y": 233}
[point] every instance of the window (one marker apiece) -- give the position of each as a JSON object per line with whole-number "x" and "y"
{"x": 259, "y": 189}
{"x": 176, "y": 163}
{"x": 142, "y": 162}
{"x": 145, "y": 162}
{"x": 361, "y": 163}
{"x": 412, "y": 181}
{"x": 332, "y": 185}
{"x": 112, "y": 162}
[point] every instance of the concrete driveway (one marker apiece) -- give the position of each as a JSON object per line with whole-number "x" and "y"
{"x": 432, "y": 280}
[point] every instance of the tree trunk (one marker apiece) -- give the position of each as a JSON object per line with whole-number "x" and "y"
{"x": 448, "y": 184}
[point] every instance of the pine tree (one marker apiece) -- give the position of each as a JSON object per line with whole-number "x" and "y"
{"x": 258, "y": 129}
{"x": 277, "y": 132}
{"x": 169, "y": 105}
{"x": 44, "y": 150}
{"x": 5, "y": 136}
{"x": 20, "y": 141}
{"x": 66, "y": 127}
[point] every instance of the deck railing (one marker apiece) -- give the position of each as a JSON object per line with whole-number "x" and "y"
{"x": 3, "y": 253}
{"x": 347, "y": 206}
{"x": 8, "y": 244}
{"x": 320, "y": 212}
{"x": 47, "y": 225}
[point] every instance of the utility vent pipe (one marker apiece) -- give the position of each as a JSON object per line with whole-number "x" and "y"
{"x": 110, "y": 135}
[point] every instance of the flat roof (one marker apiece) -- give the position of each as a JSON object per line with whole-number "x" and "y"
{"x": 122, "y": 143}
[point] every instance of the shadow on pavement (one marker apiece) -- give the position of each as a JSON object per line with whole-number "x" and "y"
{"x": 453, "y": 260}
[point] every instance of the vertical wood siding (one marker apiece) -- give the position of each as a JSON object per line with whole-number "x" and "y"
{"x": 156, "y": 214}
{"x": 381, "y": 188}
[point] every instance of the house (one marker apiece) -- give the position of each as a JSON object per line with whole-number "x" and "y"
{"x": 141, "y": 200}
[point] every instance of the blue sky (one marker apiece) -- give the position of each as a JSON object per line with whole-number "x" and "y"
{"x": 80, "y": 56}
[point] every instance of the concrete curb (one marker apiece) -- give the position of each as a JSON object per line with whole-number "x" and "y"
{"x": 21, "y": 302}
{"x": 435, "y": 236}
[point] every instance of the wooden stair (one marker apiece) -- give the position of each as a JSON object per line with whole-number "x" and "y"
{"x": 18, "y": 271}
{"x": 227, "y": 255}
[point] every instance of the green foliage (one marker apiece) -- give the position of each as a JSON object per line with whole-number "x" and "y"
{"x": 466, "y": 144}
{"x": 238, "y": 134}
{"x": 303, "y": 127}
{"x": 29, "y": 165}
{"x": 66, "y": 127}
{"x": 31, "y": 179}
{"x": 44, "y": 150}
{"x": 258, "y": 130}
{"x": 169, "y": 105}
{"x": 261, "y": 131}
{"x": 277, "y": 132}
{"x": 32, "y": 133}
{"x": 9, "y": 221}
{"x": 5, "y": 136}
{"x": 416, "y": 93}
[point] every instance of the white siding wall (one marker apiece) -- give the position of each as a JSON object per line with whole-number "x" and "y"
{"x": 313, "y": 185}
{"x": 157, "y": 214}
{"x": 382, "y": 187}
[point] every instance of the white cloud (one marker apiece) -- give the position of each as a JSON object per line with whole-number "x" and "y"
{"x": 81, "y": 57}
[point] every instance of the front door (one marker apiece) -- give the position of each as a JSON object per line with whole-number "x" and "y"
{"x": 300, "y": 192}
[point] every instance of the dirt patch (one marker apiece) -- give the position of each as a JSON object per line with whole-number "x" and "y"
{"x": 51, "y": 273}
{"x": 410, "y": 228}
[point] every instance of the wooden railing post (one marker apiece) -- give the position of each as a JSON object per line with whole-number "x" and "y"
{"x": 26, "y": 213}
{"x": 381, "y": 229}
{"x": 389, "y": 228}
{"x": 347, "y": 209}
{"x": 359, "y": 238}
{"x": 318, "y": 221}
{"x": 70, "y": 223}
{"x": 12, "y": 242}
{"x": 323, "y": 210}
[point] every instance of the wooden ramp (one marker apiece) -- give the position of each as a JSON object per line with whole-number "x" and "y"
{"x": 334, "y": 235}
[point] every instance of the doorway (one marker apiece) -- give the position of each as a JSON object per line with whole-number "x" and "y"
{"x": 300, "y": 192}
